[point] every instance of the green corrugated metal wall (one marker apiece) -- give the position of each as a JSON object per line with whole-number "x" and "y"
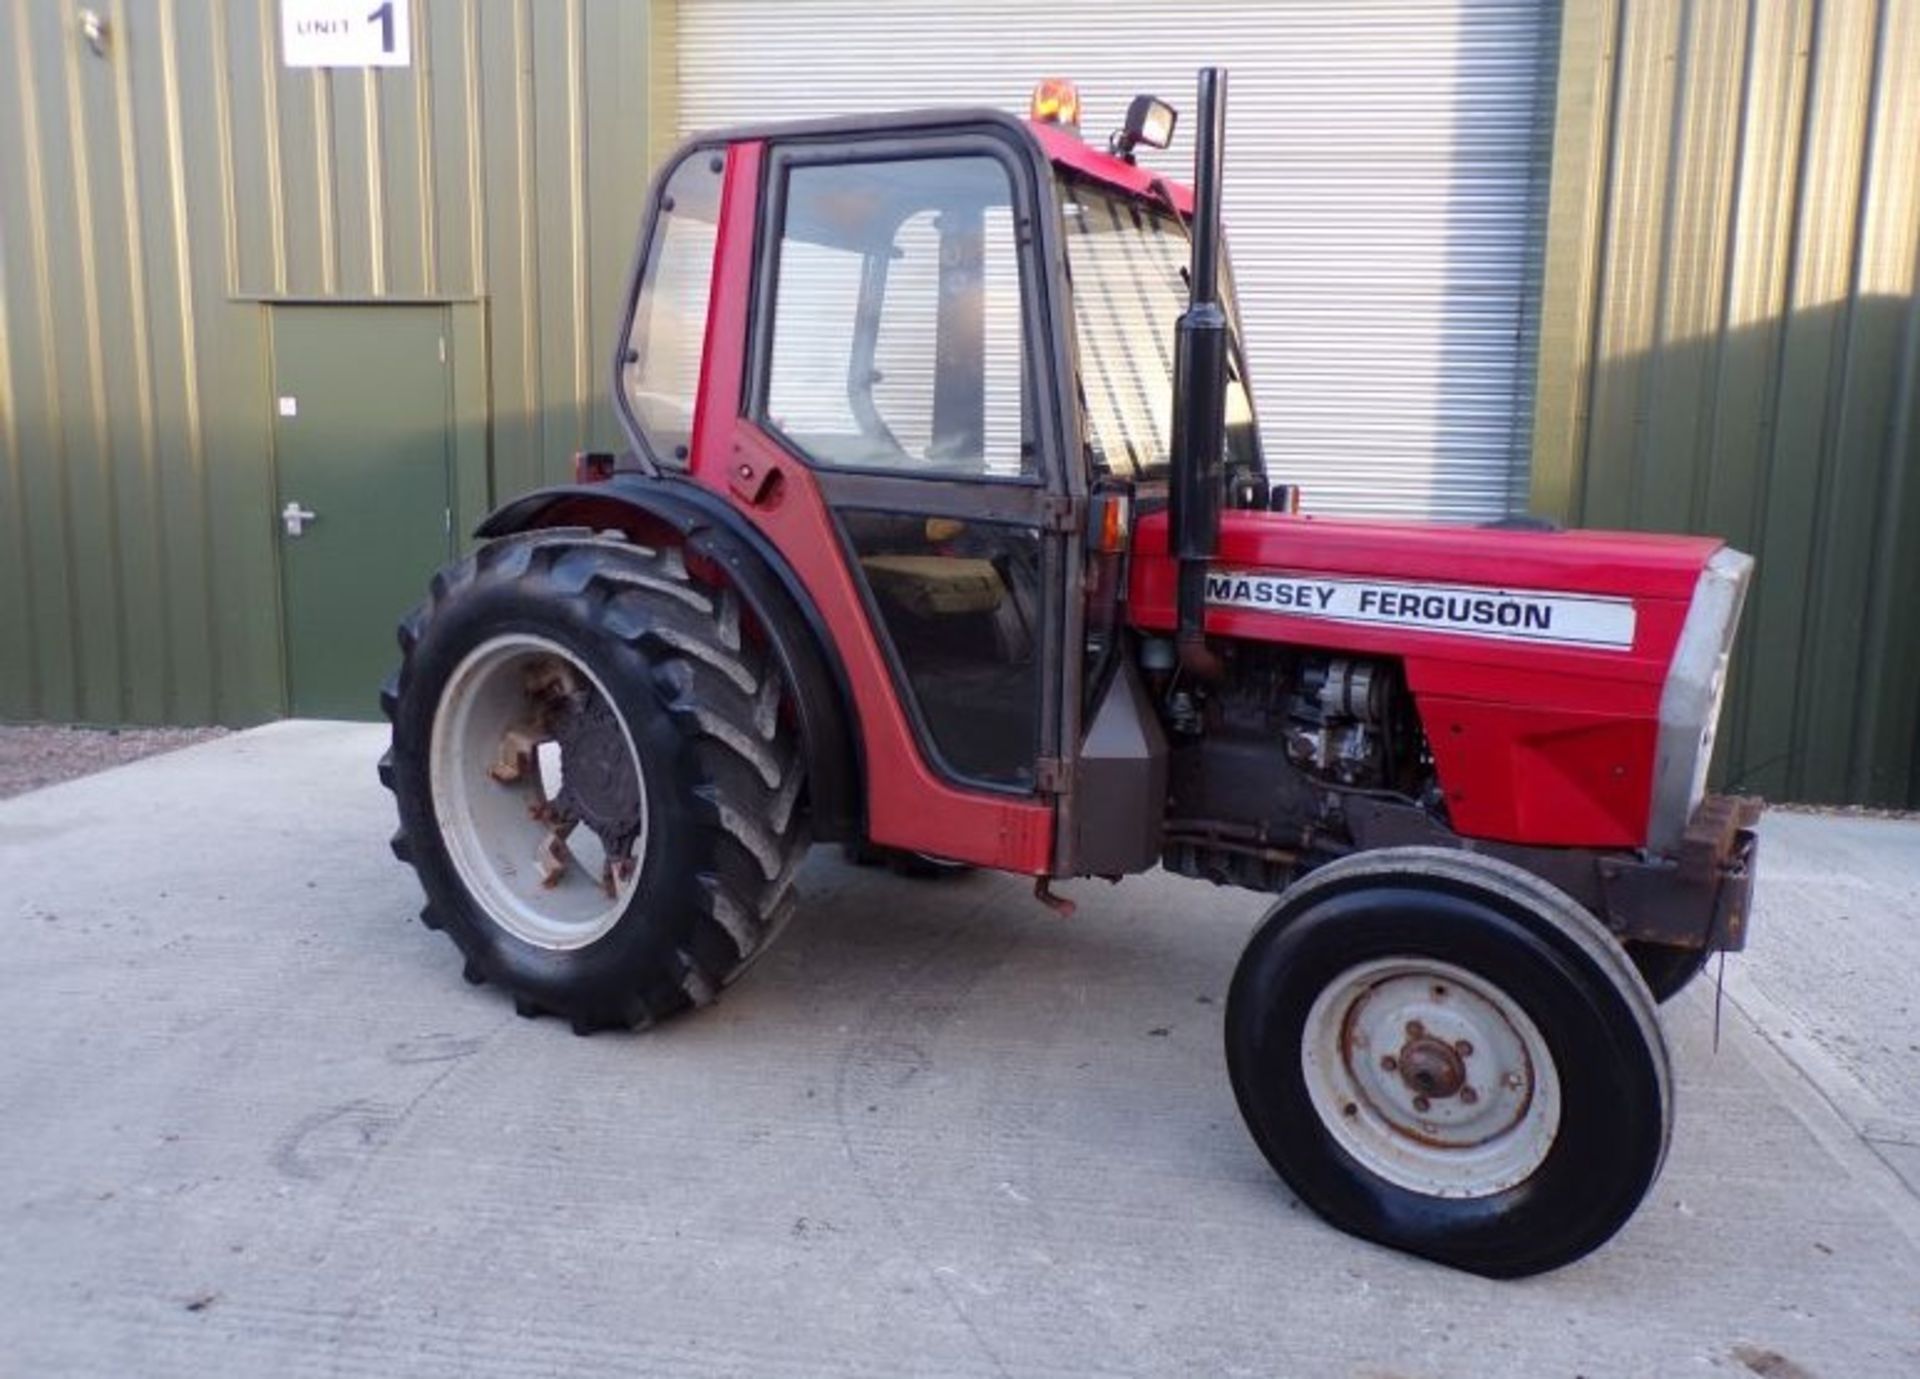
{"x": 1731, "y": 344}
{"x": 152, "y": 201}
{"x": 1730, "y": 335}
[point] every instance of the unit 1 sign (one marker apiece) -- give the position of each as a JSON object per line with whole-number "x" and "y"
{"x": 346, "y": 33}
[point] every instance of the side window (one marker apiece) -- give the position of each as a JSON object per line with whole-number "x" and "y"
{"x": 897, "y": 319}
{"x": 664, "y": 346}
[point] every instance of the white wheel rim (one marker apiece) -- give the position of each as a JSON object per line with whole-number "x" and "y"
{"x": 491, "y": 835}
{"x": 1431, "y": 1077}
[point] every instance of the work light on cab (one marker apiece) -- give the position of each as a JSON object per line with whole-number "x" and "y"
{"x": 1150, "y": 121}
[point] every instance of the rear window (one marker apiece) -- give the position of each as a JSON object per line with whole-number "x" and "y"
{"x": 661, "y": 377}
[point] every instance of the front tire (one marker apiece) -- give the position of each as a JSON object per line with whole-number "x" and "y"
{"x": 597, "y": 783}
{"x": 1444, "y": 1054}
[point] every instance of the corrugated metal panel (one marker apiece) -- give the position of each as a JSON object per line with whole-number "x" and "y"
{"x": 1731, "y": 344}
{"x": 153, "y": 197}
{"x": 1386, "y": 191}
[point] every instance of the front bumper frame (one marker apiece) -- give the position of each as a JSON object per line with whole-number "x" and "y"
{"x": 1699, "y": 898}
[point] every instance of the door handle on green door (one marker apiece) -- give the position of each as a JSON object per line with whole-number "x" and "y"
{"x": 295, "y": 518}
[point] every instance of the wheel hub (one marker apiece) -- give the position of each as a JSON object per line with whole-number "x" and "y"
{"x": 1431, "y": 1077}
{"x": 527, "y": 746}
{"x": 1431, "y": 1068}
{"x": 598, "y": 786}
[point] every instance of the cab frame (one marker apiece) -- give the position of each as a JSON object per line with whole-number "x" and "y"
{"x": 915, "y": 799}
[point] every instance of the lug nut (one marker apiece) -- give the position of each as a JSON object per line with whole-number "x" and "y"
{"x": 1420, "y": 1103}
{"x": 1463, "y": 1047}
{"x": 1468, "y": 1095}
{"x": 1349, "y": 1110}
{"x": 1416, "y": 1030}
{"x": 1389, "y": 1064}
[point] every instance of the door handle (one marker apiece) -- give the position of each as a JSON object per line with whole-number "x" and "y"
{"x": 295, "y": 518}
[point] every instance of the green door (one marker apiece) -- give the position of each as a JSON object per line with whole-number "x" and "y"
{"x": 362, "y": 441}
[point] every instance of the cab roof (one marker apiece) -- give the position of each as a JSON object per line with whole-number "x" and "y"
{"x": 1055, "y": 143}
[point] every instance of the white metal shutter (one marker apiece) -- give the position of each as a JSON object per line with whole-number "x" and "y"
{"x": 1385, "y": 193}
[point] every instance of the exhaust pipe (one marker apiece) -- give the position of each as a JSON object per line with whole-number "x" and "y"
{"x": 1200, "y": 391}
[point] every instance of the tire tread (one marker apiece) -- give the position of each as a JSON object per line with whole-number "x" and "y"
{"x": 721, "y": 692}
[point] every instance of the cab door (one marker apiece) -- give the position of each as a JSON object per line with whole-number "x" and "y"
{"x": 897, "y": 355}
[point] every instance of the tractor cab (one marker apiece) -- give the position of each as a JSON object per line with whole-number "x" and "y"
{"x": 958, "y": 336}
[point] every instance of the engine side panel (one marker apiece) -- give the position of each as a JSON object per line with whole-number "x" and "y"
{"x": 1536, "y": 659}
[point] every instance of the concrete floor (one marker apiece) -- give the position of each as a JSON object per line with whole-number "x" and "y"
{"x": 255, "y": 1124}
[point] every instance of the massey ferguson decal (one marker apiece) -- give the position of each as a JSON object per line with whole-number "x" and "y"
{"x": 1457, "y": 609}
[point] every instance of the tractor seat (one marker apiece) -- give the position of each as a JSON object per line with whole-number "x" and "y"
{"x": 936, "y": 586}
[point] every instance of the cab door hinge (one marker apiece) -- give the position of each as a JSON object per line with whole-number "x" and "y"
{"x": 1052, "y": 775}
{"x": 1060, "y": 512}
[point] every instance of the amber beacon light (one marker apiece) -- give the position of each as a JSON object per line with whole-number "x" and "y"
{"x": 1056, "y": 101}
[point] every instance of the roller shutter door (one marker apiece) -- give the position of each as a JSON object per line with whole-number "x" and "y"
{"x": 1385, "y": 194}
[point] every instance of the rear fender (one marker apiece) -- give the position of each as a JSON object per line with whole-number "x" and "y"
{"x": 650, "y": 510}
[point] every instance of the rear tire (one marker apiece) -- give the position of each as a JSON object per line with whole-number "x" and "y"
{"x": 703, "y": 775}
{"x": 1386, "y": 987}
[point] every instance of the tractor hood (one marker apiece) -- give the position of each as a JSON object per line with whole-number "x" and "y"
{"x": 1614, "y": 599}
{"x": 1525, "y": 651}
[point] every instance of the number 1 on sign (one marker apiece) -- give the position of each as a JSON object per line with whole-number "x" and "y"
{"x": 384, "y": 17}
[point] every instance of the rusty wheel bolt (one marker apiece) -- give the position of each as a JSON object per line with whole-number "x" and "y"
{"x": 1420, "y": 1103}
{"x": 1463, "y": 1047}
{"x": 1389, "y": 1064}
{"x": 1349, "y": 1110}
{"x": 1416, "y": 1030}
{"x": 1468, "y": 1095}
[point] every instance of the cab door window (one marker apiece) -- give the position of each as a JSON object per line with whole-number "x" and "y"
{"x": 896, "y": 342}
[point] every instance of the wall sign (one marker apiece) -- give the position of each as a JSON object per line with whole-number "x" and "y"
{"x": 346, "y": 33}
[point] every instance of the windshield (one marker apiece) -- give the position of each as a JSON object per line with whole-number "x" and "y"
{"x": 1127, "y": 262}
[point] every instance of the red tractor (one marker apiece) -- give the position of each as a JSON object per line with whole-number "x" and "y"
{"x": 945, "y": 533}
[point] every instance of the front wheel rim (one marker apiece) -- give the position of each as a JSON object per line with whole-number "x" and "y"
{"x": 552, "y": 861}
{"x": 1431, "y": 1077}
